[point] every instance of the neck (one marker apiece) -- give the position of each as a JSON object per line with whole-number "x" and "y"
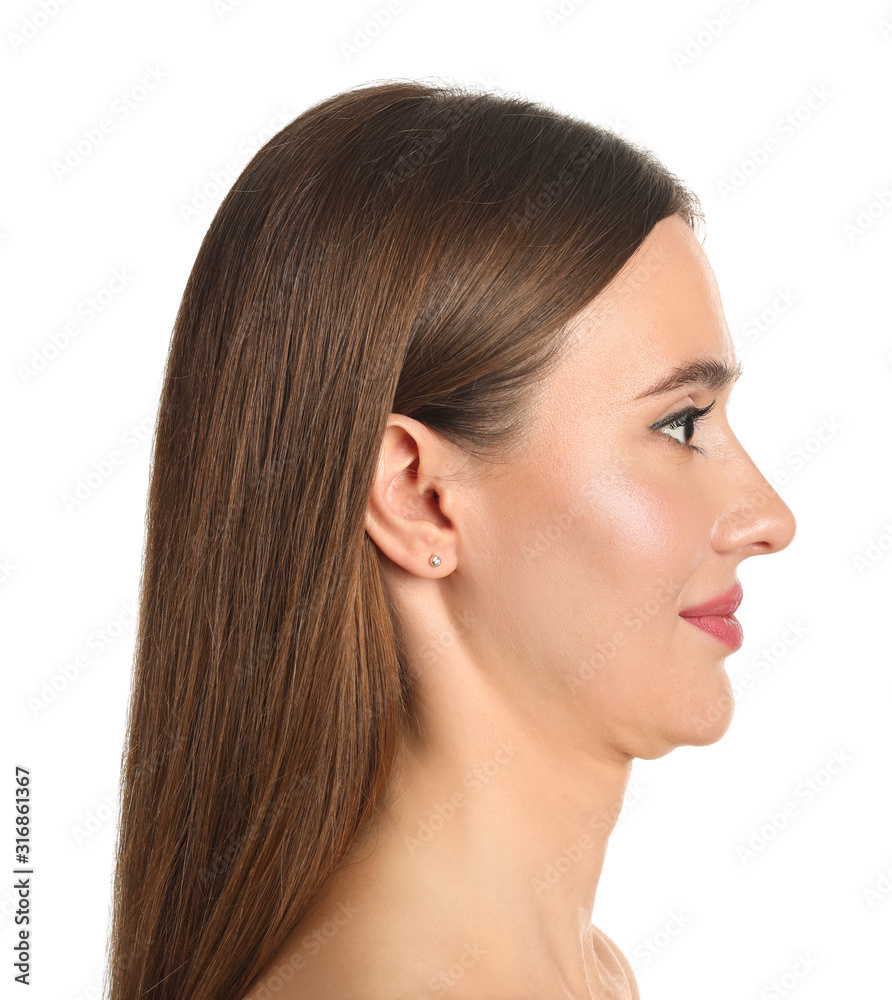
{"x": 487, "y": 855}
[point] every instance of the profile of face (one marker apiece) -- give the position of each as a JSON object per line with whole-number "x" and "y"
{"x": 563, "y": 571}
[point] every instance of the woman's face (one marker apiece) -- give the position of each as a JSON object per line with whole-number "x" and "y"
{"x": 575, "y": 559}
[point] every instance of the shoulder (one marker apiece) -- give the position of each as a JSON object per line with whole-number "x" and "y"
{"x": 610, "y": 951}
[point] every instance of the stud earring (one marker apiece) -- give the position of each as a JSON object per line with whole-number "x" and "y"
{"x": 435, "y": 560}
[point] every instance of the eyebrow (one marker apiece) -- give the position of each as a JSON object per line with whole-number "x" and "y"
{"x": 711, "y": 373}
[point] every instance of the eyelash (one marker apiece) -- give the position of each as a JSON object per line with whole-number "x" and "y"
{"x": 678, "y": 420}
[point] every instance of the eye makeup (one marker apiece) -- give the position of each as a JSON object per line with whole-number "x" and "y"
{"x": 691, "y": 415}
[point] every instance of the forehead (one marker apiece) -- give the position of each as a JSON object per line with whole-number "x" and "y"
{"x": 662, "y": 310}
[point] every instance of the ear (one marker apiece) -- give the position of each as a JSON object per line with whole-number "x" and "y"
{"x": 407, "y": 515}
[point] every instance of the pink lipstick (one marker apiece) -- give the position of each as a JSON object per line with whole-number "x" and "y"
{"x": 716, "y": 616}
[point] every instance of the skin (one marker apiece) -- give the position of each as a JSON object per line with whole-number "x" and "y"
{"x": 540, "y": 671}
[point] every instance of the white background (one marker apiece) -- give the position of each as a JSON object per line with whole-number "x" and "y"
{"x": 799, "y": 237}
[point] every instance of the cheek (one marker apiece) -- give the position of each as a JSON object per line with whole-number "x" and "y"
{"x": 582, "y": 560}
{"x": 645, "y": 539}
{"x": 641, "y": 534}
{"x": 634, "y": 551}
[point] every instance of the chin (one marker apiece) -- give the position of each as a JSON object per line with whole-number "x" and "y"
{"x": 711, "y": 718}
{"x": 698, "y": 733}
{"x": 699, "y": 723}
{"x": 703, "y": 736}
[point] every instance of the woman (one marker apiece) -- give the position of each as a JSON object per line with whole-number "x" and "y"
{"x": 443, "y": 477}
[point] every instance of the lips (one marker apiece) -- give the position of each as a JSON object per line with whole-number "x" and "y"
{"x": 724, "y": 604}
{"x": 716, "y": 617}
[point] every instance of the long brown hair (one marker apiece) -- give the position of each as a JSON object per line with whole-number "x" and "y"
{"x": 399, "y": 247}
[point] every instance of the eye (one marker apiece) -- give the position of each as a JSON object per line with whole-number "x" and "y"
{"x": 688, "y": 418}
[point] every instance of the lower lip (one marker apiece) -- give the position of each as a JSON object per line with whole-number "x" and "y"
{"x": 725, "y": 628}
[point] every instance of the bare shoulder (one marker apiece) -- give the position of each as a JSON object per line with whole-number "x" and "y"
{"x": 609, "y": 950}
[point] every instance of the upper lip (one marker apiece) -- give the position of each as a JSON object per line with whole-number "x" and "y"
{"x": 724, "y": 604}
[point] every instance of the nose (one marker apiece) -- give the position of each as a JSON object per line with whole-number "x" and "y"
{"x": 754, "y": 519}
